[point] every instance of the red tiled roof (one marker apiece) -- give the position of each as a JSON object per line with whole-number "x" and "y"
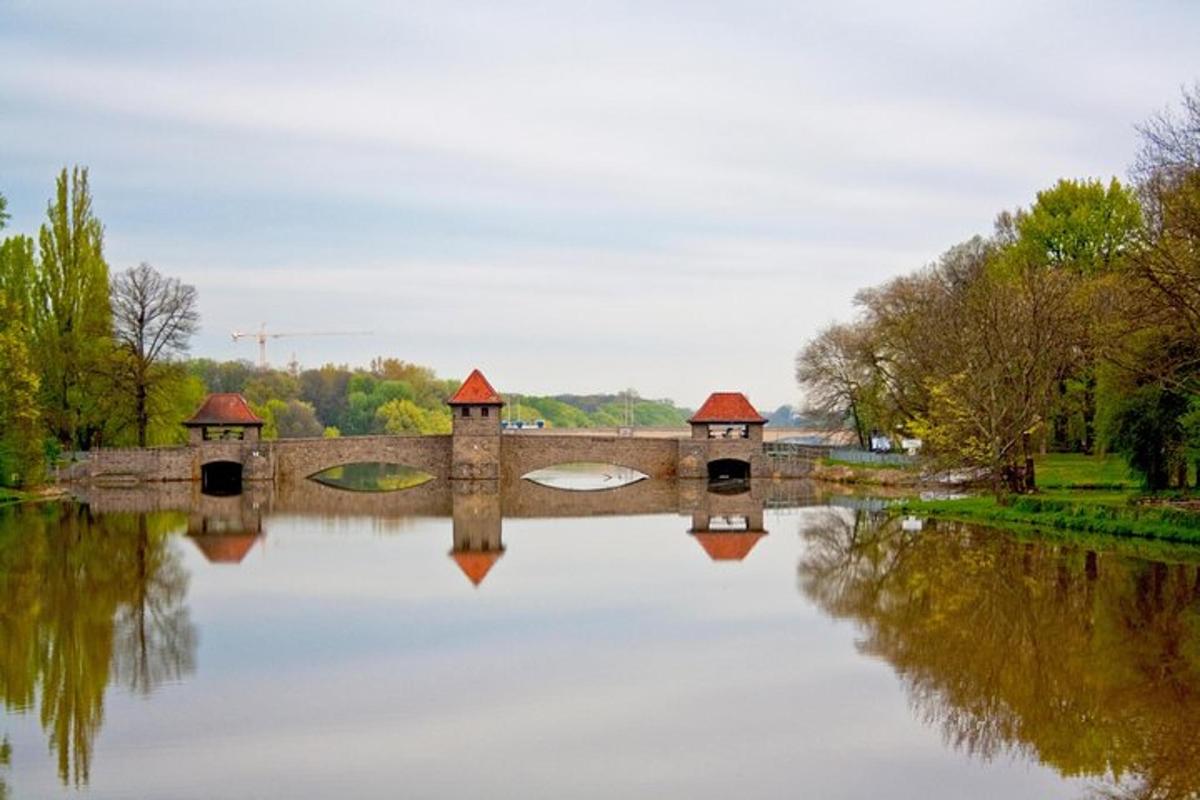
{"x": 728, "y": 545}
{"x": 727, "y": 407}
{"x": 224, "y": 408}
{"x": 476, "y": 391}
{"x": 225, "y": 548}
{"x": 476, "y": 564}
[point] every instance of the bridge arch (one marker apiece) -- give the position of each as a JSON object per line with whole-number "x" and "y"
{"x": 297, "y": 459}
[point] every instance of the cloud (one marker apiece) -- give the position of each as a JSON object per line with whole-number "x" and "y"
{"x": 699, "y": 180}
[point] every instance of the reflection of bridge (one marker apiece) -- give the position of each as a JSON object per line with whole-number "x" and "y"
{"x": 726, "y": 526}
{"x": 225, "y": 450}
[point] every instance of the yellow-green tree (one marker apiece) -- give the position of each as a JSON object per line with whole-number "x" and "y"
{"x": 20, "y": 415}
{"x": 73, "y": 328}
{"x": 404, "y": 416}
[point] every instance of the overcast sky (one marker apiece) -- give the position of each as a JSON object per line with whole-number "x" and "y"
{"x": 572, "y": 196}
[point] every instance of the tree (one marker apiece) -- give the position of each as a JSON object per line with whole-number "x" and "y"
{"x": 4, "y": 215}
{"x": 1015, "y": 332}
{"x": 404, "y": 416}
{"x": 20, "y": 414}
{"x": 835, "y": 369}
{"x": 289, "y": 419}
{"x": 1168, "y": 168}
{"x": 74, "y": 322}
{"x": 154, "y": 318}
{"x": 1082, "y": 226}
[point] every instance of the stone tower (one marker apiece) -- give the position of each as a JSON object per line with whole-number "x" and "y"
{"x": 476, "y": 430}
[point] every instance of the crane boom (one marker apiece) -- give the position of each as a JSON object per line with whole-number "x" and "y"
{"x": 262, "y": 335}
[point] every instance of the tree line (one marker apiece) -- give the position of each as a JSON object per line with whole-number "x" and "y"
{"x": 393, "y": 396}
{"x": 1074, "y": 326}
{"x": 86, "y": 357}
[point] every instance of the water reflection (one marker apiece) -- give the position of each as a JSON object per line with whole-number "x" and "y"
{"x": 586, "y": 476}
{"x": 225, "y": 535}
{"x": 477, "y": 527}
{"x": 1087, "y": 661}
{"x": 371, "y": 476}
{"x": 85, "y": 601}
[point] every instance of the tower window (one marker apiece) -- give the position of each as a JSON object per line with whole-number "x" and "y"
{"x": 483, "y": 412}
{"x": 466, "y": 411}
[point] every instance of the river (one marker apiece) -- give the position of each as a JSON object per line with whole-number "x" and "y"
{"x": 656, "y": 641}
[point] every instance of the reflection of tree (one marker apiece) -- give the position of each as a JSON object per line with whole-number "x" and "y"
{"x": 79, "y": 596}
{"x": 156, "y": 642}
{"x": 5, "y": 759}
{"x": 1089, "y": 662}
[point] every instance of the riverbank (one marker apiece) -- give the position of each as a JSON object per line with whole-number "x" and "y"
{"x": 832, "y": 471}
{"x": 1078, "y": 494}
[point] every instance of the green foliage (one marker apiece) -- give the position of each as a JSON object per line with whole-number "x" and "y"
{"x": 1080, "y": 225}
{"x": 401, "y": 416}
{"x": 271, "y": 384}
{"x": 1080, "y": 471}
{"x": 288, "y": 419}
{"x": 1149, "y": 431}
{"x": 73, "y": 317}
{"x": 330, "y": 432}
{"x": 21, "y": 462}
{"x": 221, "y": 376}
{"x": 1106, "y": 514}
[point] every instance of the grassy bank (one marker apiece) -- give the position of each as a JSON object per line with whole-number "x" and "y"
{"x": 1078, "y": 494}
{"x": 837, "y": 471}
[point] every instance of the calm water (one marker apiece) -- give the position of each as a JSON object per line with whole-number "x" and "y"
{"x": 648, "y": 641}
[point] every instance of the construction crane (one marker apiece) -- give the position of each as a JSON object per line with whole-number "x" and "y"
{"x": 262, "y": 336}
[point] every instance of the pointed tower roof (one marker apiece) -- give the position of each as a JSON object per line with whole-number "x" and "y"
{"x": 476, "y": 391}
{"x": 224, "y": 408}
{"x": 476, "y": 564}
{"x": 727, "y": 407}
{"x": 728, "y": 545}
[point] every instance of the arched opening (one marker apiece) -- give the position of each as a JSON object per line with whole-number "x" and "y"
{"x": 221, "y": 478}
{"x": 728, "y": 469}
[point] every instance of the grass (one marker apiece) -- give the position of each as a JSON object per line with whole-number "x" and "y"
{"x": 1079, "y": 471}
{"x": 1078, "y": 495}
{"x": 1046, "y": 512}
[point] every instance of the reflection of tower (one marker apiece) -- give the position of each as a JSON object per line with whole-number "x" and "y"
{"x": 477, "y": 524}
{"x": 728, "y": 535}
{"x": 225, "y": 539}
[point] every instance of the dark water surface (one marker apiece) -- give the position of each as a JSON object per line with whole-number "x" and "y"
{"x": 649, "y": 641}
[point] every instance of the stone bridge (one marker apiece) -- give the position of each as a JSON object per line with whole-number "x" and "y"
{"x": 515, "y": 455}
{"x": 725, "y": 441}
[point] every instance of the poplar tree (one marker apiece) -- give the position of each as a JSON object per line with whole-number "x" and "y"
{"x": 74, "y": 321}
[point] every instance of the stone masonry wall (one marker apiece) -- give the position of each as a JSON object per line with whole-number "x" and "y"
{"x": 296, "y": 459}
{"x": 520, "y": 455}
{"x": 473, "y": 456}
